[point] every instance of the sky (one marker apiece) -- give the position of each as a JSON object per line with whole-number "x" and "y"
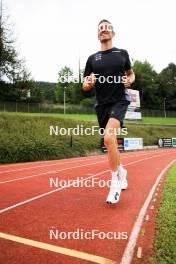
{"x": 53, "y": 33}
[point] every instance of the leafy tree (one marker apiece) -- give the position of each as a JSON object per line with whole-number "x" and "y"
{"x": 64, "y": 77}
{"x": 146, "y": 83}
{"x": 47, "y": 91}
{"x": 14, "y": 76}
{"x": 167, "y": 86}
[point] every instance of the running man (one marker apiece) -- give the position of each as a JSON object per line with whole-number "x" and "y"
{"x": 110, "y": 72}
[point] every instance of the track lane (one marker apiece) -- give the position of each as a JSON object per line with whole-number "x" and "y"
{"x": 40, "y": 184}
{"x": 88, "y": 209}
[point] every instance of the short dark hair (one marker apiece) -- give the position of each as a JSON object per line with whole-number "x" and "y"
{"x": 107, "y": 21}
{"x": 104, "y": 20}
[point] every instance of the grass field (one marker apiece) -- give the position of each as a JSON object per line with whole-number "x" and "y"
{"x": 165, "y": 240}
{"x": 26, "y": 137}
{"x": 86, "y": 117}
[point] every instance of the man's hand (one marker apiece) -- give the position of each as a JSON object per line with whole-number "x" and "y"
{"x": 89, "y": 82}
{"x": 128, "y": 79}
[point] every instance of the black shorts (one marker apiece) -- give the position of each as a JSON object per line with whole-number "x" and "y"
{"x": 116, "y": 110}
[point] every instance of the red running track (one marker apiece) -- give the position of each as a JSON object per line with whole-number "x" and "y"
{"x": 30, "y": 208}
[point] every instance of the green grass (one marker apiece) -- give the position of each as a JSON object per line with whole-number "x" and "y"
{"x": 165, "y": 240}
{"x": 25, "y": 137}
{"x": 159, "y": 120}
{"x": 90, "y": 117}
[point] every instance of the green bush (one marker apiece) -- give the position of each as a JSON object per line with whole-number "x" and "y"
{"x": 88, "y": 102}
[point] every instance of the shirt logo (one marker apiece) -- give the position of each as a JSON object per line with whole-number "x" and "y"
{"x": 98, "y": 57}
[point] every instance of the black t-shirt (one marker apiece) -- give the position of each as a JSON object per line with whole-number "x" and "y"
{"x": 113, "y": 63}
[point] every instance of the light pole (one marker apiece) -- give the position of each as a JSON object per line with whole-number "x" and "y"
{"x": 64, "y": 101}
{"x": 165, "y": 107}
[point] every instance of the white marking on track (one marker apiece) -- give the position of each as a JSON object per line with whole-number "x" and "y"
{"x": 43, "y": 166}
{"x": 139, "y": 252}
{"x": 51, "y": 172}
{"x": 129, "y": 250}
{"x": 58, "y": 189}
{"x": 147, "y": 218}
{"x": 55, "y": 171}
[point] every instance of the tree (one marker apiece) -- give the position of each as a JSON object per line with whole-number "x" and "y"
{"x": 47, "y": 91}
{"x": 14, "y": 77}
{"x": 64, "y": 77}
{"x": 146, "y": 83}
{"x": 167, "y": 86}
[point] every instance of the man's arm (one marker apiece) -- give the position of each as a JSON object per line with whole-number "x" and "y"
{"x": 89, "y": 77}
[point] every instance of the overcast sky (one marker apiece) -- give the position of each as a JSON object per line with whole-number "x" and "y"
{"x": 54, "y": 33}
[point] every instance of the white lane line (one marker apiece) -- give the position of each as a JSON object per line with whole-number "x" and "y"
{"x": 50, "y": 172}
{"x": 129, "y": 250}
{"x": 65, "y": 161}
{"x": 58, "y": 189}
{"x": 60, "y": 162}
{"x": 49, "y": 161}
{"x": 47, "y": 193}
{"x": 43, "y": 166}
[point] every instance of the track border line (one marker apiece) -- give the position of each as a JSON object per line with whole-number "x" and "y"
{"x": 57, "y": 249}
{"x": 129, "y": 249}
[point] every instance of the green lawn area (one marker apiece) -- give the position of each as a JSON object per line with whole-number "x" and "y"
{"x": 165, "y": 240}
{"x": 86, "y": 117}
{"x": 159, "y": 120}
{"x": 26, "y": 137}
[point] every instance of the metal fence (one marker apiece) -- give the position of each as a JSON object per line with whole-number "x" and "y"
{"x": 69, "y": 109}
{"x": 44, "y": 108}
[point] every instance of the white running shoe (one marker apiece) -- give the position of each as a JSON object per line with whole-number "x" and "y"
{"x": 114, "y": 194}
{"x": 123, "y": 180}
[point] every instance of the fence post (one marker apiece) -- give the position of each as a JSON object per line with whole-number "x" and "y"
{"x": 71, "y": 141}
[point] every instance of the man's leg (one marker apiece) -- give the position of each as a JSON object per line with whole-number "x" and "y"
{"x": 110, "y": 142}
{"x": 114, "y": 159}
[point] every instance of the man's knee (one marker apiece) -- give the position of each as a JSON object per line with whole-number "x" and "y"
{"x": 109, "y": 140}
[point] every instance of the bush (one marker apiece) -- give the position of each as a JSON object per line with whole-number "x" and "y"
{"x": 88, "y": 102}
